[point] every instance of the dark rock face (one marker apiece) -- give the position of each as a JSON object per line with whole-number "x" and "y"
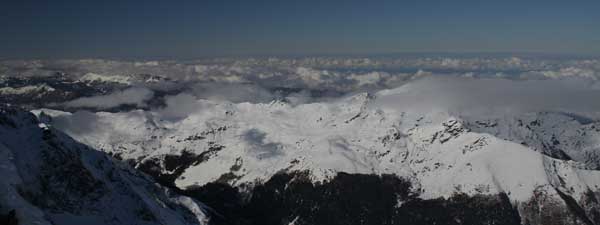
{"x": 57, "y": 192}
{"x": 154, "y": 167}
{"x": 546, "y": 210}
{"x": 591, "y": 206}
{"x": 348, "y": 199}
{"x": 9, "y": 218}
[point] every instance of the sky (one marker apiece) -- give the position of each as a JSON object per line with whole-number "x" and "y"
{"x": 189, "y": 29}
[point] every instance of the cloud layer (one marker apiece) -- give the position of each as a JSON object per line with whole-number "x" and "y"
{"x": 456, "y": 83}
{"x": 492, "y": 96}
{"x": 132, "y": 96}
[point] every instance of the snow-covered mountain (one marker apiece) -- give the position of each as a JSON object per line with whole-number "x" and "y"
{"x": 325, "y": 140}
{"x": 356, "y": 160}
{"x": 559, "y": 135}
{"x": 35, "y": 92}
{"x": 49, "y": 178}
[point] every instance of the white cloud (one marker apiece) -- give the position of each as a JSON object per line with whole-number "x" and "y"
{"x": 147, "y": 63}
{"x": 131, "y": 96}
{"x": 255, "y": 79}
{"x": 232, "y": 92}
{"x": 371, "y": 78}
{"x": 571, "y": 72}
{"x": 491, "y": 96}
{"x": 311, "y": 77}
{"x": 179, "y": 106}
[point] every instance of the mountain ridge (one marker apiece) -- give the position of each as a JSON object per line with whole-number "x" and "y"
{"x": 246, "y": 145}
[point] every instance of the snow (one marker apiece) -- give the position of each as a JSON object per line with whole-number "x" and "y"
{"x": 500, "y": 166}
{"x": 30, "y": 89}
{"x": 94, "y": 77}
{"x": 439, "y": 152}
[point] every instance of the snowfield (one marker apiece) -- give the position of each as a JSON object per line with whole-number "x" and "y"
{"x": 40, "y": 89}
{"x": 244, "y": 144}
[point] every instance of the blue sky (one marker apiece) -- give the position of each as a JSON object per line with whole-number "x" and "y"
{"x": 187, "y": 29}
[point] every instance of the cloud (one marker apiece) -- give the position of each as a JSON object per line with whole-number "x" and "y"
{"x": 80, "y": 122}
{"x": 233, "y": 92}
{"x": 491, "y": 96}
{"x": 312, "y": 77}
{"x": 297, "y": 80}
{"x": 570, "y": 72}
{"x": 371, "y": 78}
{"x": 179, "y": 106}
{"x": 298, "y": 98}
{"x": 131, "y": 96}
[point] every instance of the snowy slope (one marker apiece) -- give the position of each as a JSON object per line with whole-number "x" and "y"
{"x": 40, "y": 89}
{"x": 559, "y": 135}
{"x": 49, "y": 178}
{"x": 100, "y": 78}
{"x": 246, "y": 144}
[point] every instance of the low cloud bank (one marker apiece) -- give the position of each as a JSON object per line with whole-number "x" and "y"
{"x": 232, "y": 92}
{"x": 459, "y": 84}
{"x": 491, "y": 96}
{"x": 179, "y": 106}
{"x": 131, "y": 96}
